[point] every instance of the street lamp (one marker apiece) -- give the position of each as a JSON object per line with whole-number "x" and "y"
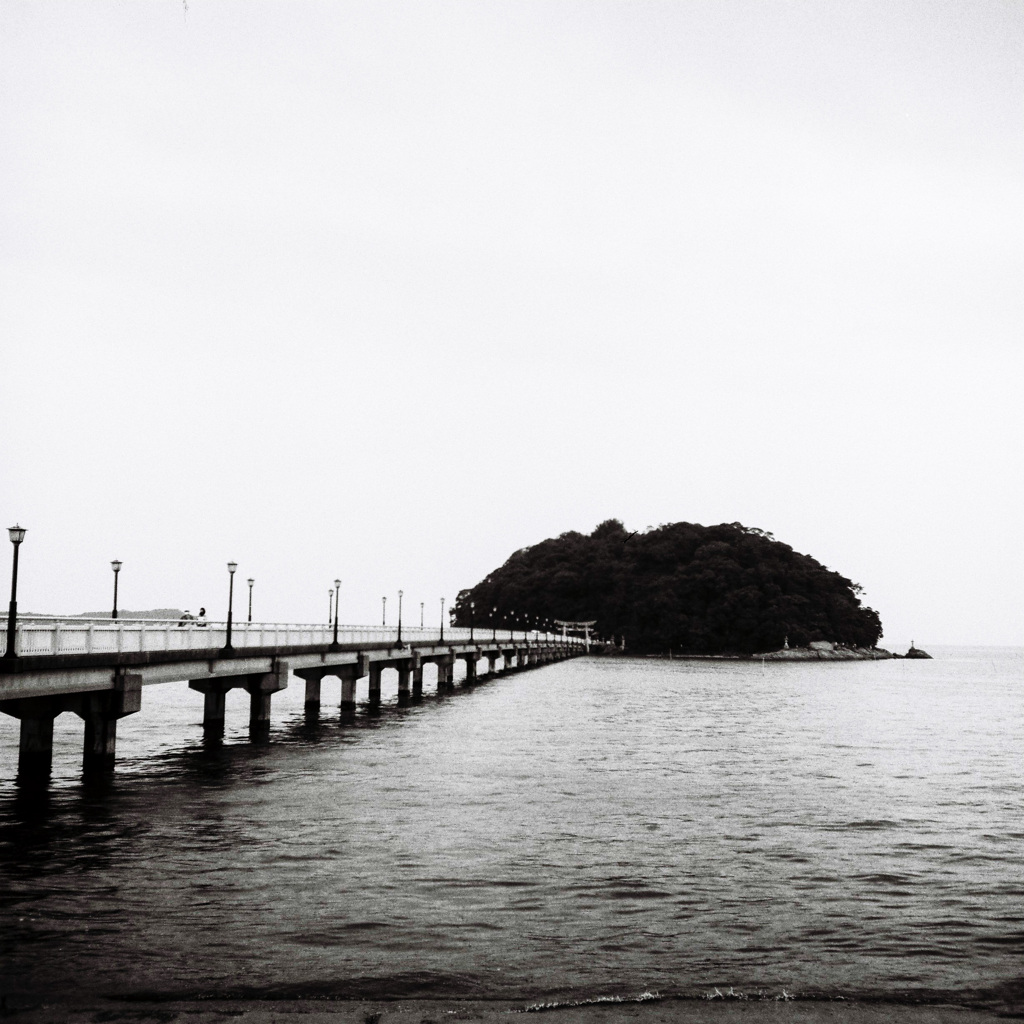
{"x": 400, "y": 618}
{"x": 116, "y": 566}
{"x": 384, "y": 611}
{"x": 472, "y": 609}
{"x": 337, "y": 594}
{"x": 250, "y": 581}
{"x": 442, "y": 620}
{"x": 421, "y": 614}
{"x": 330, "y": 605}
{"x": 232, "y": 566}
{"x": 494, "y": 623}
{"x": 17, "y": 534}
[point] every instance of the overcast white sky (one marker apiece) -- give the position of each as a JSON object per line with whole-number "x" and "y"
{"x": 387, "y": 290}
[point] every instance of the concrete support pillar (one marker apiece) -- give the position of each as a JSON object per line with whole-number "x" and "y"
{"x": 445, "y": 673}
{"x": 375, "y": 670}
{"x": 259, "y": 716}
{"x": 404, "y": 688}
{"x": 471, "y": 676}
{"x": 348, "y": 698}
{"x": 261, "y": 689}
{"x": 312, "y": 702}
{"x": 100, "y": 711}
{"x": 416, "y": 667}
{"x": 214, "y": 692}
{"x": 35, "y": 751}
{"x": 213, "y": 713}
{"x": 349, "y": 674}
{"x": 100, "y": 744}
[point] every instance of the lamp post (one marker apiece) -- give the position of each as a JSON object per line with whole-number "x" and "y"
{"x": 250, "y": 581}
{"x": 337, "y": 594}
{"x": 494, "y": 623}
{"x": 232, "y": 566}
{"x": 116, "y": 566}
{"x": 17, "y": 535}
{"x": 472, "y": 617}
{"x": 330, "y": 605}
{"x": 384, "y": 611}
{"x": 400, "y": 618}
{"x": 421, "y": 614}
{"x": 442, "y": 620}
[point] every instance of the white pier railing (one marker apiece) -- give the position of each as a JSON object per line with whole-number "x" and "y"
{"x": 38, "y": 636}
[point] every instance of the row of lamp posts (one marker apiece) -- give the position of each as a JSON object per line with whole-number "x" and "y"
{"x": 510, "y": 617}
{"x": 384, "y": 614}
{"x": 17, "y": 535}
{"x": 472, "y": 618}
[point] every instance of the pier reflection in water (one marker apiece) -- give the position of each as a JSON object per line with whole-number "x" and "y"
{"x": 592, "y": 826}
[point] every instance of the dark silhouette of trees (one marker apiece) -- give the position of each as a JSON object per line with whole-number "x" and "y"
{"x": 695, "y": 589}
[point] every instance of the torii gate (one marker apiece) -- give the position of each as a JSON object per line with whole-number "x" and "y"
{"x": 585, "y": 626}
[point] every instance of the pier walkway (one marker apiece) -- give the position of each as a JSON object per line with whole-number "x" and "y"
{"x": 97, "y": 669}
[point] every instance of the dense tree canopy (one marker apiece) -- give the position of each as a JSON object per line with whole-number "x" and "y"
{"x": 696, "y": 589}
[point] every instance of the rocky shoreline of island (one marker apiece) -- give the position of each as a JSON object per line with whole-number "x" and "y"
{"x": 817, "y": 650}
{"x": 824, "y": 650}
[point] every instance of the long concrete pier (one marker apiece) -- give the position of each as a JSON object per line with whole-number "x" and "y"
{"x": 104, "y": 685}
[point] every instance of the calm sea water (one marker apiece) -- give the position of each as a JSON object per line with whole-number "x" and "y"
{"x": 594, "y": 827}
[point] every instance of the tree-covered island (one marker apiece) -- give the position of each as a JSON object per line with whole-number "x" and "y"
{"x": 727, "y": 589}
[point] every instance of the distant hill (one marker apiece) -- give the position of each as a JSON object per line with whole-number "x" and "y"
{"x": 695, "y": 589}
{"x": 122, "y": 613}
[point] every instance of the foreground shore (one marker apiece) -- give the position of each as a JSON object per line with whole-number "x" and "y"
{"x": 420, "y": 1011}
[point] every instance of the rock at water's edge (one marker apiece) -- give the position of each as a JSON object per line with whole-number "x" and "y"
{"x": 821, "y": 652}
{"x": 916, "y": 652}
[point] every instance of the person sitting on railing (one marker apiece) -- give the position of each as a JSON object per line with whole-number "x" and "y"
{"x": 187, "y": 617}
{"x": 201, "y": 621}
